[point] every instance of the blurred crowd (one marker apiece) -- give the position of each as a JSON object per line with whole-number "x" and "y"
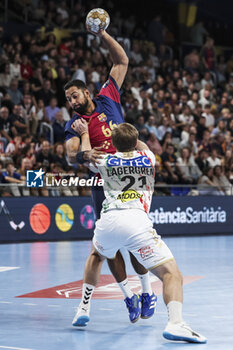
{"x": 182, "y": 108}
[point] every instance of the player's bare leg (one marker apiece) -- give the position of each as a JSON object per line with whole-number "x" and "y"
{"x": 176, "y": 328}
{"x": 117, "y": 267}
{"x": 92, "y": 268}
{"x": 91, "y": 277}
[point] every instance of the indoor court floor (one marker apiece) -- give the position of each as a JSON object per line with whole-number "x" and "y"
{"x": 40, "y": 287}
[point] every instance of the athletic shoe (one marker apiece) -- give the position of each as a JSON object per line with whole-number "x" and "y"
{"x": 82, "y": 317}
{"x": 133, "y": 305}
{"x": 182, "y": 332}
{"x": 148, "y": 304}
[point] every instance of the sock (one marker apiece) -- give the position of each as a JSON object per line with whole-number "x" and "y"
{"x": 87, "y": 292}
{"x": 145, "y": 282}
{"x": 174, "y": 309}
{"x": 125, "y": 288}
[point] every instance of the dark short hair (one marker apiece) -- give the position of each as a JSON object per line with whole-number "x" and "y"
{"x": 76, "y": 82}
{"x": 124, "y": 137}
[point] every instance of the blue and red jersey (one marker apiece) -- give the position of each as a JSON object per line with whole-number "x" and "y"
{"x": 107, "y": 114}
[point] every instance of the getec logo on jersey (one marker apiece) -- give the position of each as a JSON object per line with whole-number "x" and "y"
{"x": 35, "y": 178}
{"x": 142, "y": 161}
{"x": 129, "y": 195}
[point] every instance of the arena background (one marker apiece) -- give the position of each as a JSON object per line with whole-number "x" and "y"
{"x": 45, "y": 233}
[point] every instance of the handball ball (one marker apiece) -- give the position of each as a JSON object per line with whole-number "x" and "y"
{"x": 97, "y": 19}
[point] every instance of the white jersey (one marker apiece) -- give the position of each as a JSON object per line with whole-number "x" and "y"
{"x": 128, "y": 180}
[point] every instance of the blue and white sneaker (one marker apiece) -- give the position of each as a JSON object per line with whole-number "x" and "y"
{"x": 82, "y": 317}
{"x": 134, "y": 308}
{"x": 182, "y": 332}
{"x": 148, "y": 304}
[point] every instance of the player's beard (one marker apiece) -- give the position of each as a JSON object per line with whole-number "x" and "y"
{"x": 82, "y": 109}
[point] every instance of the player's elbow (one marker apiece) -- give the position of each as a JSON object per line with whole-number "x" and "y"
{"x": 125, "y": 61}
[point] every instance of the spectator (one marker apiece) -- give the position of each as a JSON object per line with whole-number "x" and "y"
{"x": 207, "y": 80}
{"x": 221, "y": 181}
{"x": 51, "y": 110}
{"x": 210, "y": 120}
{"x": 142, "y": 130}
{"x": 167, "y": 138}
{"x": 66, "y": 111}
{"x": 5, "y": 125}
{"x": 45, "y": 93}
{"x": 206, "y": 185}
{"x": 201, "y": 128}
{"x": 170, "y": 164}
{"x": 192, "y": 103}
{"x": 59, "y": 155}
{"x": 186, "y": 117}
{"x": 220, "y": 128}
{"x": 26, "y": 68}
{"x": 59, "y": 127}
{"x": 29, "y": 114}
{"x": 206, "y": 141}
{"x": 40, "y": 112}
{"x": 165, "y": 127}
{"x": 37, "y": 81}
{"x": 14, "y": 148}
{"x": 198, "y": 33}
{"x": 5, "y": 76}
{"x": 154, "y": 145}
{"x": 15, "y": 70}
{"x": 208, "y": 54}
{"x": 10, "y": 176}
{"x": 190, "y": 143}
{"x": 134, "y": 113}
{"x": 135, "y": 54}
{"x": 228, "y": 160}
{"x": 213, "y": 159}
{"x": 157, "y": 114}
{"x": 45, "y": 158}
{"x": 20, "y": 126}
{"x": 202, "y": 160}
{"x": 190, "y": 172}
{"x": 192, "y": 61}
{"x": 14, "y": 92}
{"x": 151, "y": 127}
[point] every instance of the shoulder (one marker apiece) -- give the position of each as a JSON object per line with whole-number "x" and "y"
{"x": 110, "y": 89}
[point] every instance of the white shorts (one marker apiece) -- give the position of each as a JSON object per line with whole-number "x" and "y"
{"x": 133, "y": 230}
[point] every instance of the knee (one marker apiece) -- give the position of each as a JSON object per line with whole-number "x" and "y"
{"x": 94, "y": 255}
{"x": 174, "y": 274}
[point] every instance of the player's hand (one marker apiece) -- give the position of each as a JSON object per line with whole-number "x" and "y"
{"x": 99, "y": 33}
{"x": 80, "y": 126}
{"x": 94, "y": 155}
